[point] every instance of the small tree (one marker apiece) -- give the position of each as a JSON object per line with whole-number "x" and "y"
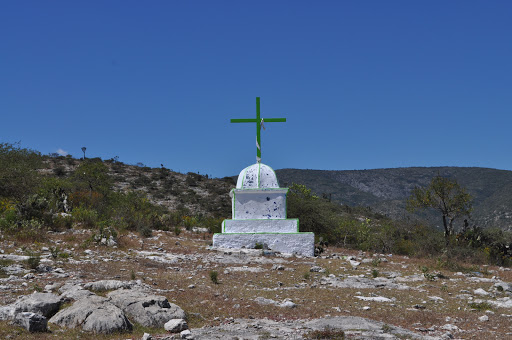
{"x": 18, "y": 171}
{"x": 94, "y": 176}
{"x": 444, "y": 195}
{"x": 83, "y": 150}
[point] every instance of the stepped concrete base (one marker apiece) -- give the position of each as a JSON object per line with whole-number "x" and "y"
{"x": 261, "y": 226}
{"x": 291, "y": 243}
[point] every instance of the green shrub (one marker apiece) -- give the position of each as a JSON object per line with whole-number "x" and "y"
{"x": 327, "y": 333}
{"x": 54, "y": 252}
{"x": 33, "y": 261}
{"x": 145, "y": 231}
{"x": 214, "y": 277}
{"x": 61, "y": 222}
{"x": 18, "y": 171}
{"x": 87, "y": 217}
{"x": 480, "y": 306}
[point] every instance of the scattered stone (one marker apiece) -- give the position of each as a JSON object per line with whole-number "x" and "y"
{"x": 14, "y": 269}
{"x": 176, "y": 325}
{"x": 146, "y": 336}
{"x": 264, "y": 301}
{"x": 317, "y": 269}
{"x": 32, "y": 322}
{"x": 287, "y": 303}
{"x": 104, "y": 285}
{"x": 450, "y": 327}
{"x": 436, "y": 298}
{"x": 419, "y": 306}
{"x": 374, "y": 298}
{"x": 481, "y": 292}
{"x": 354, "y": 264}
{"x": 277, "y": 267}
{"x": 503, "y": 287}
{"x": 186, "y": 334}
{"x": 483, "y": 318}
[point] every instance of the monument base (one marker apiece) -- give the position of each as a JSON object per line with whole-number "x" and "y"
{"x": 290, "y": 243}
{"x": 261, "y": 226}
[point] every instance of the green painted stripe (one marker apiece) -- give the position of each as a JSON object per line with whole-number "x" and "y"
{"x": 264, "y": 233}
{"x": 266, "y": 219}
{"x": 234, "y": 216}
{"x": 263, "y": 189}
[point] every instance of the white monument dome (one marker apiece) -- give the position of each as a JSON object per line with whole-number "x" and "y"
{"x": 257, "y": 176}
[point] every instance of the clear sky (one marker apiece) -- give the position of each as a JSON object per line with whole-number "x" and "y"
{"x": 363, "y": 84}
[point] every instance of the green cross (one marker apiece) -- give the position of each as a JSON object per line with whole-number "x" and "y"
{"x": 259, "y": 122}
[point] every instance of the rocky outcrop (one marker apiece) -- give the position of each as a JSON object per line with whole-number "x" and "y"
{"x": 45, "y": 304}
{"x": 146, "y": 309}
{"x": 95, "y": 314}
{"x": 176, "y": 325}
{"x": 105, "y": 285}
{"x": 32, "y": 322}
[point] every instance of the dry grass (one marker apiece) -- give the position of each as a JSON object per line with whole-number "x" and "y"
{"x": 209, "y": 303}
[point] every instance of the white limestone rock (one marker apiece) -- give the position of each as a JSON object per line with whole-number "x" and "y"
{"x": 146, "y": 309}
{"x": 32, "y": 322}
{"x": 46, "y": 304}
{"x": 95, "y": 314}
{"x": 176, "y": 325}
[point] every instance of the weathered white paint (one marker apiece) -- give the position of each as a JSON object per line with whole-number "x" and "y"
{"x": 257, "y": 176}
{"x": 300, "y": 243}
{"x": 259, "y": 203}
{"x": 260, "y": 226}
{"x": 259, "y": 216}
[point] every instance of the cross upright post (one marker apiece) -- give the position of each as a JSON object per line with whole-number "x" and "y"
{"x": 259, "y": 123}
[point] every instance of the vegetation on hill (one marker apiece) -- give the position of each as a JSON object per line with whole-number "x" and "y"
{"x": 39, "y": 193}
{"x": 387, "y": 190}
{"x": 447, "y": 197}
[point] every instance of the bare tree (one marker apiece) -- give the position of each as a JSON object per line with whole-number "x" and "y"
{"x": 444, "y": 195}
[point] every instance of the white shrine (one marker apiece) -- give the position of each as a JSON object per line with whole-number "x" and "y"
{"x": 259, "y": 210}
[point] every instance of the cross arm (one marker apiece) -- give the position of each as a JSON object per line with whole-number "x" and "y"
{"x": 274, "y": 120}
{"x": 244, "y": 120}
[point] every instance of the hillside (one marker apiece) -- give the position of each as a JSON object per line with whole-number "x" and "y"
{"x": 192, "y": 192}
{"x": 385, "y": 190}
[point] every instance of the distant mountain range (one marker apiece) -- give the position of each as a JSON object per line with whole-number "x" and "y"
{"x": 386, "y": 190}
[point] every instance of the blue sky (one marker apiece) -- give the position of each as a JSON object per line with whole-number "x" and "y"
{"x": 363, "y": 84}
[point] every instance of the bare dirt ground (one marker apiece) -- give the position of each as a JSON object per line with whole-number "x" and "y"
{"x": 262, "y": 295}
